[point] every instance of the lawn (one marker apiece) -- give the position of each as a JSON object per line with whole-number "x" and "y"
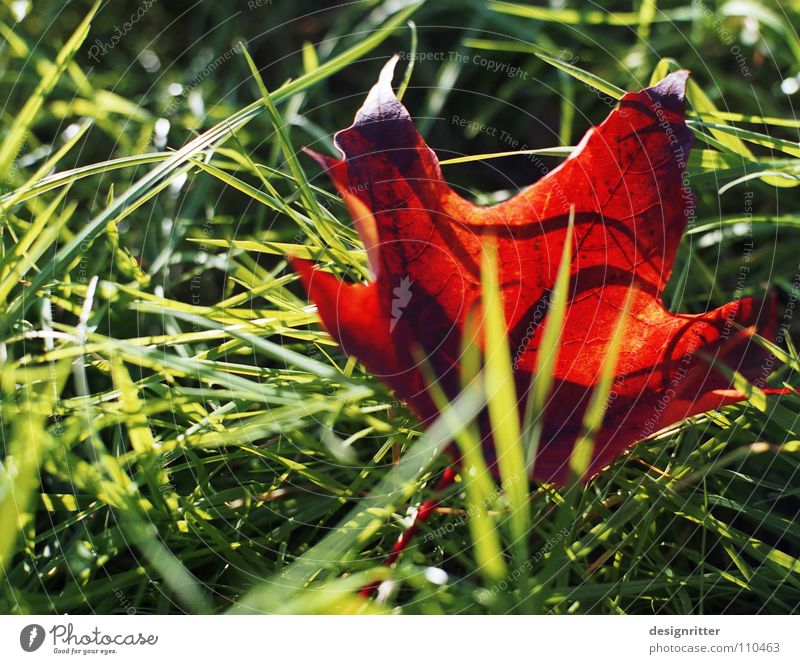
{"x": 178, "y": 431}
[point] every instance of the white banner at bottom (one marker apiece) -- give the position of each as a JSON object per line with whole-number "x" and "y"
{"x": 399, "y": 639}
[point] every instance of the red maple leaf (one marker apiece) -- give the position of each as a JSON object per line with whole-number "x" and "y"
{"x": 425, "y": 243}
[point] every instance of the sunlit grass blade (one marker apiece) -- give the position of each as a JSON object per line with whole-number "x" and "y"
{"x": 15, "y": 136}
{"x": 271, "y": 199}
{"x": 590, "y": 16}
{"x": 34, "y": 188}
{"x": 290, "y": 156}
{"x": 479, "y": 485}
{"x": 547, "y": 352}
{"x": 595, "y": 411}
{"x": 29, "y": 444}
{"x": 401, "y": 90}
{"x": 584, "y": 76}
{"x": 31, "y": 246}
{"x": 564, "y": 151}
{"x": 503, "y": 403}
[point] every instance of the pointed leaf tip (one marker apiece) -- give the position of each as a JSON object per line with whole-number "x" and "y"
{"x": 381, "y": 103}
{"x": 323, "y": 160}
{"x": 387, "y": 72}
{"x": 671, "y": 90}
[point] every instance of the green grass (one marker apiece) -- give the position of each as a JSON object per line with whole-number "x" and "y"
{"x": 178, "y": 432}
